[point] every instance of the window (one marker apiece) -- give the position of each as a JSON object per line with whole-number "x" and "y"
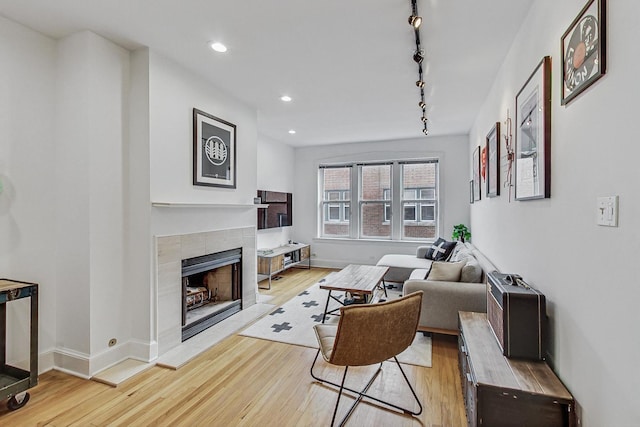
{"x": 336, "y": 199}
{"x": 410, "y": 188}
{"x": 419, "y": 201}
{"x": 375, "y": 181}
{"x": 337, "y": 208}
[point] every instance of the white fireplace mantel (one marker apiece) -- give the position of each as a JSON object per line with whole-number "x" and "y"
{"x": 207, "y": 205}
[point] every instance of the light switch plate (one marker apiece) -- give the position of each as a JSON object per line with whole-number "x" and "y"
{"x": 607, "y": 211}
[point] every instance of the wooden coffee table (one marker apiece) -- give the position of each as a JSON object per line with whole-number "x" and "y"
{"x": 356, "y": 279}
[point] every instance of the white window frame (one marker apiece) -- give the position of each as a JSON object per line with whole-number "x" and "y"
{"x": 396, "y": 201}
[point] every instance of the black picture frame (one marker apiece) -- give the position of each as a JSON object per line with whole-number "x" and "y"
{"x": 533, "y": 135}
{"x": 475, "y": 164}
{"x": 471, "y": 196}
{"x": 583, "y": 50}
{"x": 214, "y": 151}
{"x": 493, "y": 161}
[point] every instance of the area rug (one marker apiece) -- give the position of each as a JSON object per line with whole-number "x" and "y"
{"x": 293, "y": 322}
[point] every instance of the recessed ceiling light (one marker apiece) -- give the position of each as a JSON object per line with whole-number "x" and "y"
{"x": 286, "y": 98}
{"x": 218, "y": 47}
{"x": 292, "y": 131}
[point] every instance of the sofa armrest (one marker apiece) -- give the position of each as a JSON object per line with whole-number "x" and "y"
{"x": 422, "y": 251}
{"x": 442, "y": 301}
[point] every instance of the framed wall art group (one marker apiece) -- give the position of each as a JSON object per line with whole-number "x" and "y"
{"x": 583, "y": 55}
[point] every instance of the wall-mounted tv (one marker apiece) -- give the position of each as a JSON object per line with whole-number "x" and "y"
{"x": 279, "y": 211}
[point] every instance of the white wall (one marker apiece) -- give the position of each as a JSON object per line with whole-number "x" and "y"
{"x": 276, "y": 164}
{"x": 174, "y": 92}
{"x": 454, "y": 193}
{"x": 584, "y": 270}
{"x": 27, "y": 178}
{"x": 92, "y": 122}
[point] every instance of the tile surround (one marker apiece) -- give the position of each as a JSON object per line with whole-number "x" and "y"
{"x": 170, "y": 250}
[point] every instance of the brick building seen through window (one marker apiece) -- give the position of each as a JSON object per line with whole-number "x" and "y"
{"x": 416, "y": 197}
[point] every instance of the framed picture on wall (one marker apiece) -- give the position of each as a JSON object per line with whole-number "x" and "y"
{"x": 471, "y": 196}
{"x": 584, "y": 50}
{"x": 493, "y": 161}
{"x": 476, "y": 174}
{"x": 214, "y": 151}
{"x": 533, "y": 135}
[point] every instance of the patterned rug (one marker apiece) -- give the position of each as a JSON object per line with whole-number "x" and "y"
{"x": 292, "y": 323}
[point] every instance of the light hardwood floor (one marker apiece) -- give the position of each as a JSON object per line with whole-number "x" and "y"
{"x": 245, "y": 381}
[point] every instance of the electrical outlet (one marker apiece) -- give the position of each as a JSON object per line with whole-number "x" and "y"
{"x": 112, "y": 342}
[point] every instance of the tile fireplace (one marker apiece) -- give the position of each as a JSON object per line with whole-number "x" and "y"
{"x": 232, "y": 289}
{"x": 211, "y": 290}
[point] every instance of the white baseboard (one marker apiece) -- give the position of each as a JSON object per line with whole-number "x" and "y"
{"x": 85, "y": 366}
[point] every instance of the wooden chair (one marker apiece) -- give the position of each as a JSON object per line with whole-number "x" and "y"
{"x": 366, "y": 335}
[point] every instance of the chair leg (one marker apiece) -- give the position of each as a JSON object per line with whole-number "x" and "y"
{"x": 415, "y": 396}
{"x": 363, "y": 392}
{"x": 335, "y": 410}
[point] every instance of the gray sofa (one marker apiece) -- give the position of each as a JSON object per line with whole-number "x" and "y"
{"x": 442, "y": 300}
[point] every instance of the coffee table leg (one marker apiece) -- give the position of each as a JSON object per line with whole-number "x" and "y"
{"x": 326, "y": 307}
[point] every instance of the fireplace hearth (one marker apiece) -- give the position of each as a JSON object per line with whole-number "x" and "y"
{"x": 211, "y": 290}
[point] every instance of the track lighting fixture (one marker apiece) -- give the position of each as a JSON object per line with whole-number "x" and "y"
{"x": 418, "y": 56}
{"x": 415, "y": 21}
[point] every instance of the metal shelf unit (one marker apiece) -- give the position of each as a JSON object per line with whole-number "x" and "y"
{"x": 15, "y": 381}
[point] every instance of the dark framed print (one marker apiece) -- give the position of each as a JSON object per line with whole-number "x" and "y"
{"x": 533, "y": 135}
{"x": 471, "y": 197}
{"x": 476, "y": 174}
{"x": 493, "y": 161}
{"x": 214, "y": 151}
{"x": 584, "y": 50}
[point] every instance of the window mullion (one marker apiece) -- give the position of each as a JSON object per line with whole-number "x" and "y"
{"x": 397, "y": 211}
{"x": 354, "y": 219}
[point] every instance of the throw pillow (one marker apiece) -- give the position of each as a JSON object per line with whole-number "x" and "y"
{"x": 445, "y": 271}
{"x": 440, "y": 250}
{"x": 471, "y": 272}
{"x": 457, "y": 251}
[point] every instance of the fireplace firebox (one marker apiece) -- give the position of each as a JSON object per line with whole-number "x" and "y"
{"x": 211, "y": 290}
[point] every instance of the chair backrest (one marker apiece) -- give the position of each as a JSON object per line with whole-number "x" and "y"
{"x": 369, "y": 334}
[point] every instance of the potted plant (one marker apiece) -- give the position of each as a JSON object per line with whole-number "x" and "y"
{"x": 461, "y": 232}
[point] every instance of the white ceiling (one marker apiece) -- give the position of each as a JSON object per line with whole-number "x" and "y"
{"x": 347, "y": 64}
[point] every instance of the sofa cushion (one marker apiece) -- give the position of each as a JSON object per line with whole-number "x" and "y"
{"x": 419, "y": 274}
{"x": 445, "y": 271}
{"x": 460, "y": 252}
{"x": 440, "y": 250}
{"x": 471, "y": 271}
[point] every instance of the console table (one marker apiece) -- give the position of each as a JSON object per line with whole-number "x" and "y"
{"x": 500, "y": 391}
{"x": 273, "y": 261}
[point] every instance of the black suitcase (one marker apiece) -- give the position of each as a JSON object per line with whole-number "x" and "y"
{"x": 517, "y": 315}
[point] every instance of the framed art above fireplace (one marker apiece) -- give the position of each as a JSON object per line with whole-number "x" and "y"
{"x": 214, "y": 151}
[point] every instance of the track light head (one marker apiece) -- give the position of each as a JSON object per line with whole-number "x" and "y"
{"x": 418, "y": 57}
{"x": 420, "y": 84}
{"x": 425, "y": 131}
{"x": 424, "y": 119}
{"x": 422, "y": 105}
{"x": 415, "y": 21}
